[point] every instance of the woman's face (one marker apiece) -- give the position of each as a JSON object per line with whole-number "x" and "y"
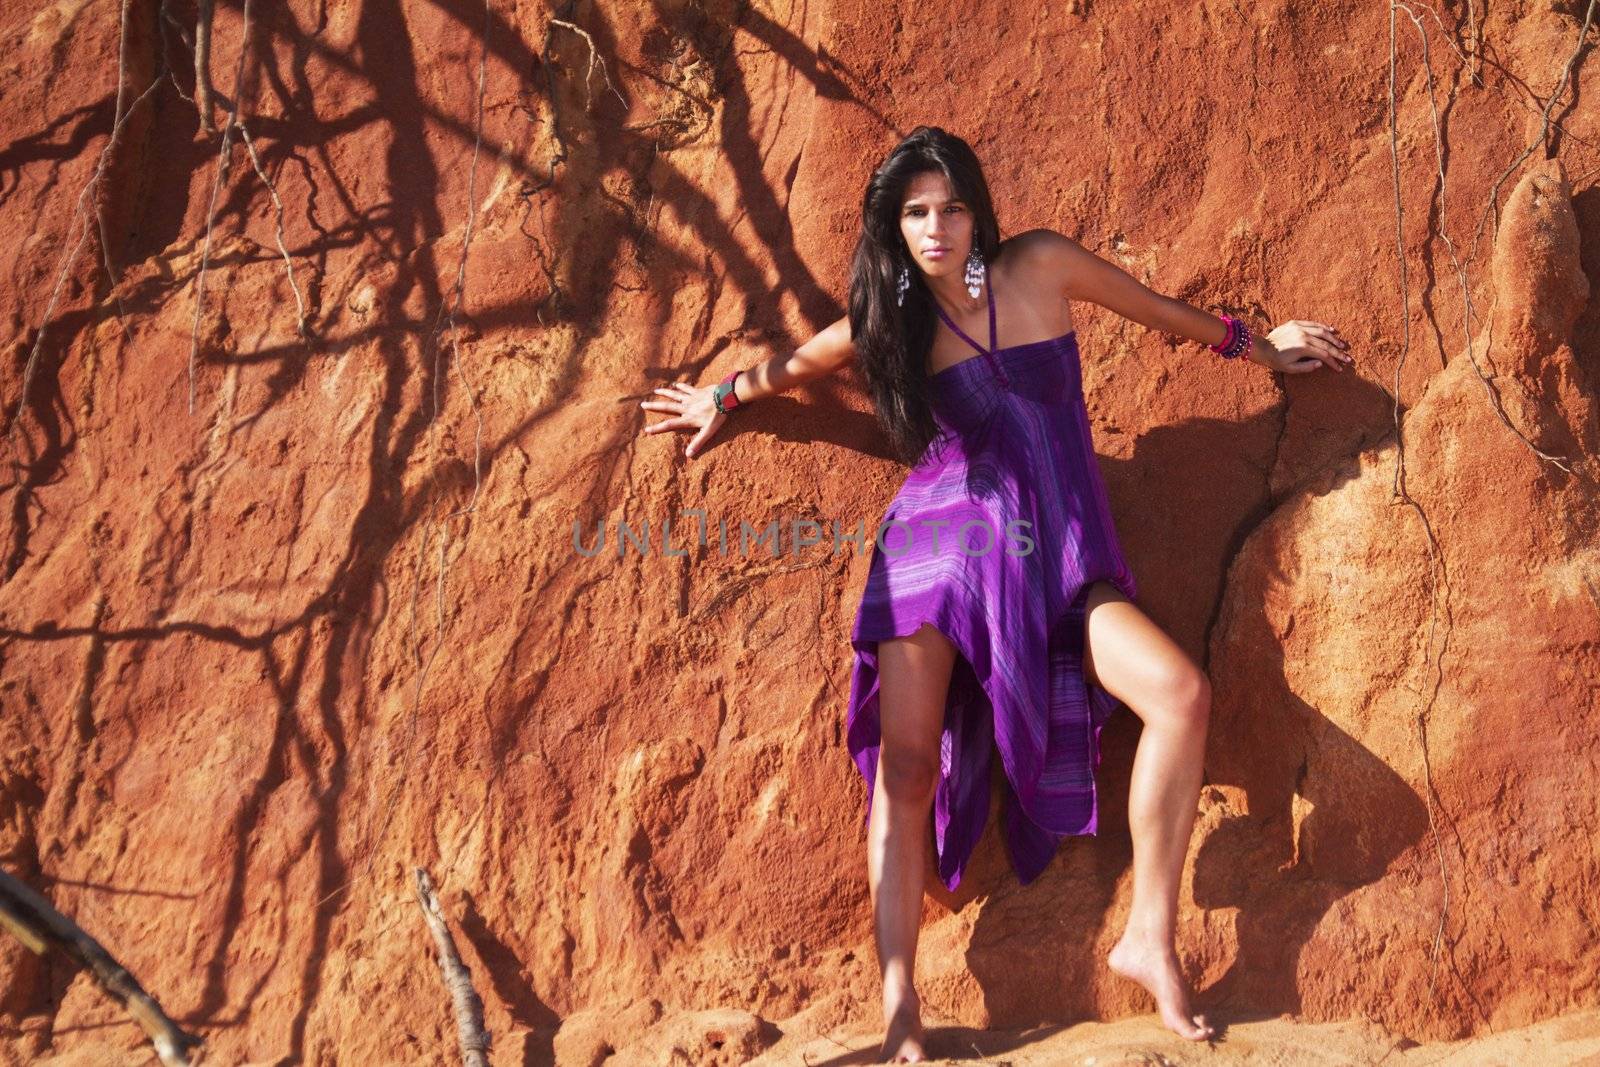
{"x": 936, "y": 225}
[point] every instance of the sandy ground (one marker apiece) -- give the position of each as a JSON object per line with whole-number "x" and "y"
{"x": 1568, "y": 1041}
{"x": 1571, "y": 1040}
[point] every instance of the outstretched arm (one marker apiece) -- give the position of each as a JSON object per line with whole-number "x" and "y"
{"x": 1296, "y": 346}
{"x": 818, "y": 357}
{"x": 695, "y": 411}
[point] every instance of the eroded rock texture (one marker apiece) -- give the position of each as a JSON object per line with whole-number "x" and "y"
{"x": 290, "y": 601}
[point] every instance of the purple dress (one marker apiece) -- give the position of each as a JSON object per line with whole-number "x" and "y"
{"x": 1017, "y": 474}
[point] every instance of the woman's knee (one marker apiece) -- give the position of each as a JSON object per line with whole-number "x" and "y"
{"x": 1191, "y": 698}
{"x": 914, "y": 675}
{"x": 908, "y": 776}
{"x": 1180, "y": 701}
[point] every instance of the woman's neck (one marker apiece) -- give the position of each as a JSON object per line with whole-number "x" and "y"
{"x": 951, "y": 292}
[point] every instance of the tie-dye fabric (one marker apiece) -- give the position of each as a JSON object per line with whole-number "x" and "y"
{"x": 1017, "y": 466}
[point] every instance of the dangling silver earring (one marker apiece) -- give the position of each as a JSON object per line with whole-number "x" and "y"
{"x": 975, "y": 272}
{"x": 903, "y": 285}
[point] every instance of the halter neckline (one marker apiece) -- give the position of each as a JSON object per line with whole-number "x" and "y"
{"x": 988, "y": 288}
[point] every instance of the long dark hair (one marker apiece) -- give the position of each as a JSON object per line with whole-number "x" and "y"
{"x": 892, "y": 342}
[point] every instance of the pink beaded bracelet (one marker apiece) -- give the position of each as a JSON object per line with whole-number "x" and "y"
{"x": 1235, "y": 342}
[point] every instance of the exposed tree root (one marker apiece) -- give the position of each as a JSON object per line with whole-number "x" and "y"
{"x": 277, "y": 206}
{"x": 224, "y": 164}
{"x": 71, "y": 248}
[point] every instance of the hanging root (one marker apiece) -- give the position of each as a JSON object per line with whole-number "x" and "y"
{"x": 71, "y": 249}
{"x": 1399, "y": 490}
{"x": 1438, "y": 580}
{"x": 530, "y": 189}
{"x": 594, "y": 61}
{"x": 183, "y": 35}
{"x": 277, "y": 206}
{"x": 224, "y": 163}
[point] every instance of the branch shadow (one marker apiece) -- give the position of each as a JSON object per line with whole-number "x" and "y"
{"x": 592, "y": 232}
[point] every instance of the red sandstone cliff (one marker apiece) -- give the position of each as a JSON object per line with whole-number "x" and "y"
{"x": 263, "y": 652}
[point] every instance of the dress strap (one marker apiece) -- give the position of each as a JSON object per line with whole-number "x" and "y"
{"x": 988, "y": 289}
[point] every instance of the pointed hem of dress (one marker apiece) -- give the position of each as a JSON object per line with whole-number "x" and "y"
{"x": 1030, "y": 846}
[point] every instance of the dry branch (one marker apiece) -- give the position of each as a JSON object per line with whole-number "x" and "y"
{"x": 457, "y": 979}
{"x": 202, "y": 63}
{"x": 37, "y": 924}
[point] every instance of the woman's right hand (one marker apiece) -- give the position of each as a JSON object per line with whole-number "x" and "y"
{"x": 693, "y": 410}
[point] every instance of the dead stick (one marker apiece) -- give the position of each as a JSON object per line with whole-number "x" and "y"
{"x": 457, "y": 979}
{"x": 202, "y": 64}
{"x": 37, "y": 923}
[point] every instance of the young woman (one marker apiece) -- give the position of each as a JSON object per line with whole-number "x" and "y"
{"x": 999, "y": 611}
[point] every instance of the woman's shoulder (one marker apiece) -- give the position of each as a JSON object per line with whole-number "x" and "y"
{"x": 1034, "y": 253}
{"x": 1032, "y": 244}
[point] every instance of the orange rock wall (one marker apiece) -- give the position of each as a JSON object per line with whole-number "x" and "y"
{"x": 285, "y": 613}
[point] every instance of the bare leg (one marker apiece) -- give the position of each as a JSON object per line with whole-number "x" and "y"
{"x": 1131, "y": 657}
{"x": 913, "y": 677}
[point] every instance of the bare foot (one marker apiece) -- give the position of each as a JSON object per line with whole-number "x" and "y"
{"x": 902, "y": 1043}
{"x": 1155, "y": 966}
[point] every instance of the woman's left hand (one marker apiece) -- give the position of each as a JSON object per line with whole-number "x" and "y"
{"x": 1299, "y": 346}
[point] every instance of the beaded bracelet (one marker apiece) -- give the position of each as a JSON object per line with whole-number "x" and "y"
{"x": 1236, "y": 341}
